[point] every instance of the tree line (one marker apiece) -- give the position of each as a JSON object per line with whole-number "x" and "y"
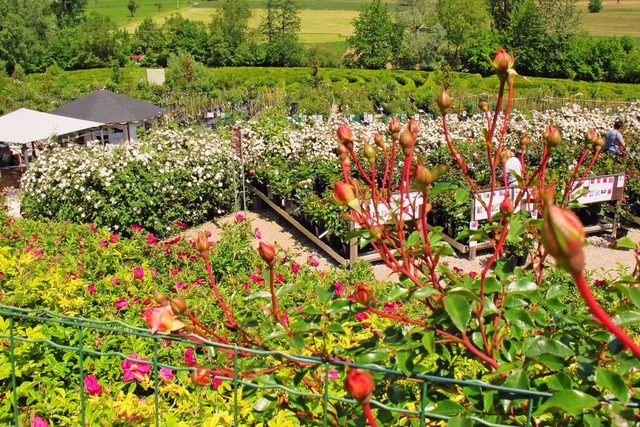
{"x": 543, "y": 35}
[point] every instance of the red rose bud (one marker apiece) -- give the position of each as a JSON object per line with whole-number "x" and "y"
{"x": 200, "y": 376}
{"x": 369, "y": 153}
{"x": 394, "y": 127}
{"x": 444, "y": 101}
{"x": 563, "y": 237}
{"x": 267, "y": 253}
{"x": 422, "y": 177}
{"x": 413, "y": 127}
{"x": 483, "y": 105}
{"x": 502, "y": 62}
{"x": 376, "y": 232}
{"x": 345, "y": 195}
{"x": 378, "y": 140}
{"x": 590, "y": 139}
{"x": 598, "y": 144}
{"x": 525, "y": 139}
{"x": 363, "y": 294}
{"x": 359, "y": 384}
{"x": 159, "y": 297}
{"x": 506, "y": 207}
{"x": 202, "y": 245}
{"x": 407, "y": 139}
{"x": 178, "y": 305}
{"x": 552, "y": 136}
{"x": 344, "y": 134}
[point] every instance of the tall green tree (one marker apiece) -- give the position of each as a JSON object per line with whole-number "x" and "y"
{"x": 281, "y": 16}
{"x": 133, "y": 6}
{"x": 228, "y": 31}
{"x": 280, "y": 26}
{"x": 101, "y": 43}
{"x": 376, "y": 37}
{"x": 465, "y": 21}
{"x": 150, "y": 40}
{"x": 26, "y": 29}
{"x": 188, "y": 36}
{"x": 68, "y": 12}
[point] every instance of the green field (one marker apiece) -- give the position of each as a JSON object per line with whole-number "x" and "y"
{"x": 330, "y": 21}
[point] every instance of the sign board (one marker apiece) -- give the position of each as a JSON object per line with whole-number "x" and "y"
{"x": 596, "y": 189}
{"x": 236, "y": 141}
{"x": 155, "y": 76}
{"x": 479, "y": 212}
{"x": 601, "y": 189}
{"x": 411, "y": 204}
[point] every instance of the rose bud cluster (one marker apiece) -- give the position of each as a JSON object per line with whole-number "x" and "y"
{"x": 593, "y": 141}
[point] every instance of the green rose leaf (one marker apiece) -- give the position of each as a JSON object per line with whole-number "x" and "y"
{"x": 536, "y": 346}
{"x": 614, "y": 383}
{"x": 519, "y": 318}
{"x": 627, "y": 318}
{"x": 625, "y": 243}
{"x": 459, "y": 309}
{"x": 572, "y": 402}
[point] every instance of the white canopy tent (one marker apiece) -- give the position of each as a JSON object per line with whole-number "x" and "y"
{"x": 24, "y": 126}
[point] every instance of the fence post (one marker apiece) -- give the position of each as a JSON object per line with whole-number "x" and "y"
{"x": 12, "y": 359}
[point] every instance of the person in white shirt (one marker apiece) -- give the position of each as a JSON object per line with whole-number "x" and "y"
{"x": 511, "y": 166}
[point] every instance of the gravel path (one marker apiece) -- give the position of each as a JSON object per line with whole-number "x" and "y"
{"x": 601, "y": 259}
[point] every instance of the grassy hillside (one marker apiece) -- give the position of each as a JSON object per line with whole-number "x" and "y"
{"x": 615, "y": 19}
{"x": 330, "y": 20}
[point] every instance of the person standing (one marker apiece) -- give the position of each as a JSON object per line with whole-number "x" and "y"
{"x": 613, "y": 140}
{"x": 511, "y": 166}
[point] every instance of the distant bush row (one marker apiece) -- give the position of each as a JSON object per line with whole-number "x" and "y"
{"x": 240, "y": 92}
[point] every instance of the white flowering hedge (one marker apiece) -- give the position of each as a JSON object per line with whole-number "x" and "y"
{"x": 183, "y": 175}
{"x": 168, "y": 176}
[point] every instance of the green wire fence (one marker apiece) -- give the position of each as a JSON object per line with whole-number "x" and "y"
{"x": 83, "y": 344}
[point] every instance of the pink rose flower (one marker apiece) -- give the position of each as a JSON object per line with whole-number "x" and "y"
{"x": 114, "y": 281}
{"x": 161, "y": 319}
{"x": 138, "y": 273}
{"x": 257, "y": 233}
{"x": 339, "y": 288}
{"x": 136, "y": 228}
{"x": 189, "y": 357}
{"x": 91, "y": 288}
{"x": 166, "y": 374}
{"x": 135, "y": 370}
{"x": 151, "y": 239}
{"x": 121, "y": 303}
{"x": 92, "y": 385}
{"x": 295, "y": 268}
{"x": 38, "y": 422}
{"x": 239, "y": 217}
